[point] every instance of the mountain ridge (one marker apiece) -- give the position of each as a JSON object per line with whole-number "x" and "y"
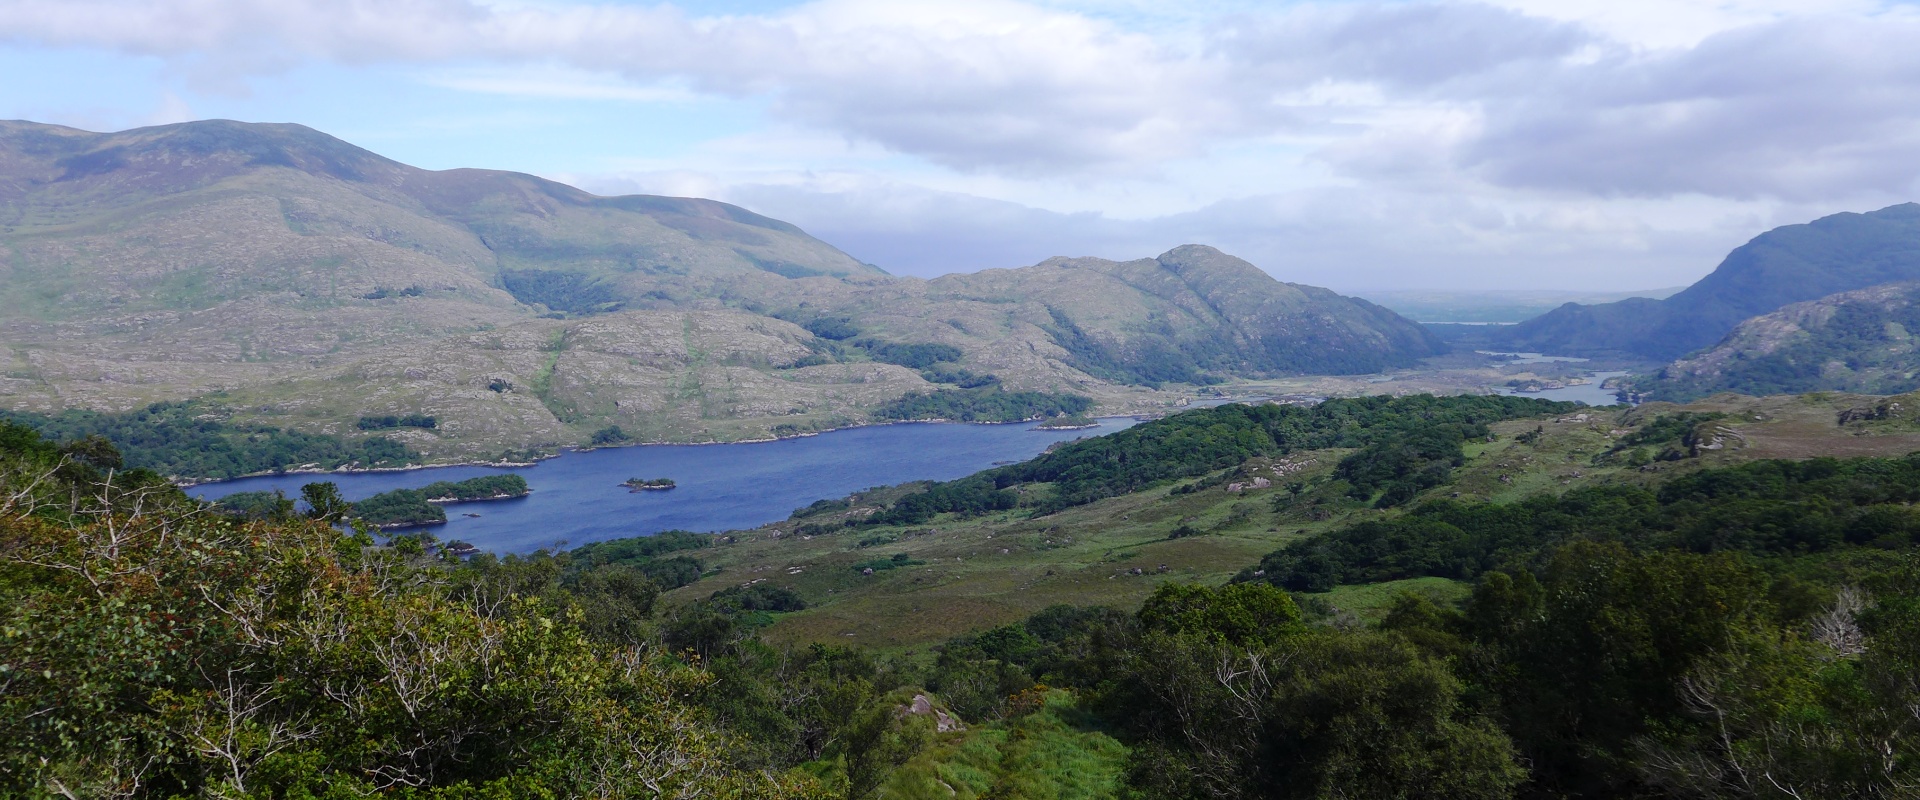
{"x": 1788, "y": 264}
{"x": 308, "y": 282}
{"x": 1857, "y": 341}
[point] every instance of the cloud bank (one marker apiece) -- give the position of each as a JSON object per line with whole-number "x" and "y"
{"x": 1465, "y": 134}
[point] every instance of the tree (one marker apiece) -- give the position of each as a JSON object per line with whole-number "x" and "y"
{"x": 148, "y": 649}
{"x": 1592, "y": 654}
{"x": 1226, "y": 695}
{"x": 324, "y": 502}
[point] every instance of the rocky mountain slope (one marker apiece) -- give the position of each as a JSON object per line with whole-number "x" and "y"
{"x": 1190, "y": 315}
{"x": 304, "y": 282}
{"x": 1860, "y": 341}
{"x": 1786, "y": 265}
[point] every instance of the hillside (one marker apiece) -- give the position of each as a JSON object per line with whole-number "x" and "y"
{"x": 1072, "y": 526}
{"x": 1366, "y": 597}
{"x": 1859, "y": 341}
{"x": 1191, "y": 314}
{"x": 256, "y": 243}
{"x": 1581, "y": 567}
{"x": 294, "y": 280}
{"x": 1494, "y": 305}
{"x": 1788, "y": 264}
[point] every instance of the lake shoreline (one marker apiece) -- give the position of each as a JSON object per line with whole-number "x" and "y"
{"x": 717, "y": 488}
{"x": 488, "y": 499}
{"x": 274, "y": 473}
{"x": 192, "y": 482}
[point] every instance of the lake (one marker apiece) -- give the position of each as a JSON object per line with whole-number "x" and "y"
{"x": 1531, "y": 358}
{"x": 1590, "y": 393}
{"x": 577, "y": 497}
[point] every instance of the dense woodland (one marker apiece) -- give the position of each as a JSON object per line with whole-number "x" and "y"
{"x": 197, "y": 440}
{"x": 387, "y": 421}
{"x": 410, "y": 507}
{"x": 1766, "y": 508}
{"x": 399, "y": 508}
{"x": 991, "y": 404}
{"x": 484, "y": 487}
{"x": 560, "y": 291}
{"x": 1407, "y": 444}
{"x": 912, "y": 356}
{"x": 1751, "y": 631}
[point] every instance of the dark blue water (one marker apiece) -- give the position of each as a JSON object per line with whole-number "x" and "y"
{"x": 577, "y": 498}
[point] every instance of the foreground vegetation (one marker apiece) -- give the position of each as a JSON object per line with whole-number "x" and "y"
{"x": 1693, "y": 628}
{"x": 154, "y": 651}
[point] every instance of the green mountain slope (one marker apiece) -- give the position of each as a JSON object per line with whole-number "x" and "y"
{"x": 184, "y": 218}
{"x": 299, "y": 281}
{"x": 1200, "y": 309}
{"x": 1192, "y": 315}
{"x": 1860, "y": 341}
{"x": 1786, "y": 265}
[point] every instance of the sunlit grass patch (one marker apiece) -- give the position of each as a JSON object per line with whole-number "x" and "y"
{"x": 1048, "y": 753}
{"x": 1370, "y": 601}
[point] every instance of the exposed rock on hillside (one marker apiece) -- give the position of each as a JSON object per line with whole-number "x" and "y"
{"x": 312, "y": 282}
{"x": 1786, "y": 265}
{"x": 1193, "y": 310}
{"x": 1859, "y": 341}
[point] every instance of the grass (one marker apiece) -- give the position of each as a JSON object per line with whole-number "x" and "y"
{"x": 1001, "y": 568}
{"x": 994, "y": 569}
{"x": 1370, "y": 601}
{"x": 1049, "y": 753}
{"x": 542, "y": 383}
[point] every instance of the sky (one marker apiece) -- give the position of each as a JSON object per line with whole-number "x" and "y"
{"x": 1364, "y": 146}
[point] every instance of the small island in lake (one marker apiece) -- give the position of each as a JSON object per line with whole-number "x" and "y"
{"x": 400, "y": 508}
{"x": 648, "y": 484}
{"x": 407, "y": 508}
{"x": 1533, "y": 385}
{"x": 1069, "y": 422}
{"x": 485, "y": 487}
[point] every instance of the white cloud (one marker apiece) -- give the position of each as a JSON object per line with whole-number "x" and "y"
{"x": 1659, "y": 24}
{"x": 171, "y": 109}
{"x": 1347, "y": 239}
{"x": 555, "y": 84}
{"x": 1808, "y": 109}
{"x": 1738, "y": 99}
{"x": 1355, "y": 142}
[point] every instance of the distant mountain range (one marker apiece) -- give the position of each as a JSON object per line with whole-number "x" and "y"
{"x": 1786, "y": 265}
{"x": 1433, "y": 306}
{"x": 305, "y": 282}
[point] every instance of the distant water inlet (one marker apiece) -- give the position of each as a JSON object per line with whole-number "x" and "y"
{"x": 1592, "y": 392}
{"x": 582, "y": 497}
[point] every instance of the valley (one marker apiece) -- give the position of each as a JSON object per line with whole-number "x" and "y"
{"x": 595, "y": 400}
{"x": 1003, "y": 566}
{"x": 459, "y": 374}
{"x": 299, "y": 282}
